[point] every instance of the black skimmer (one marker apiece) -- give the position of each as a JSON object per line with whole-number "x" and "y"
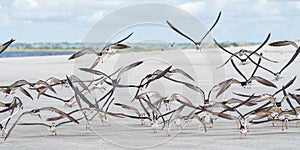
{"x": 223, "y": 86}
{"x": 244, "y": 52}
{"x": 197, "y": 44}
{"x": 106, "y": 50}
{"x": 277, "y": 74}
{"x": 36, "y": 112}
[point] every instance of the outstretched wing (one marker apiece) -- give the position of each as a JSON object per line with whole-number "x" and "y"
{"x": 211, "y": 28}
{"x": 125, "y": 38}
{"x": 82, "y": 52}
{"x": 182, "y": 72}
{"x": 4, "y": 46}
{"x": 263, "y": 81}
{"x": 178, "y": 31}
{"x": 284, "y": 43}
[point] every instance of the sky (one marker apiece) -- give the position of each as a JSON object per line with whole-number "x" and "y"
{"x": 69, "y": 21}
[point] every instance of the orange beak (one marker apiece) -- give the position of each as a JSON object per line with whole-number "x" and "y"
{"x": 38, "y": 114}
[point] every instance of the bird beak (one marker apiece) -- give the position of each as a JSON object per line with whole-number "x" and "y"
{"x": 197, "y": 47}
{"x": 39, "y": 115}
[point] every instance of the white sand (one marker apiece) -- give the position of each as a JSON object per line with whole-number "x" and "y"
{"x": 127, "y": 133}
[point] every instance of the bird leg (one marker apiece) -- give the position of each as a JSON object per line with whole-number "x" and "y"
{"x": 101, "y": 58}
{"x": 104, "y": 120}
{"x": 68, "y": 104}
{"x": 88, "y": 125}
{"x": 168, "y": 106}
{"x": 286, "y": 123}
{"x": 3, "y": 132}
{"x": 168, "y": 132}
{"x": 178, "y": 124}
{"x": 237, "y": 125}
{"x": 155, "y": 126}
{"x": 102, "y": 89}
{"x": 53, "y": 133}
{"x": 66, "y": 85}
{"x": 143, "y": 122}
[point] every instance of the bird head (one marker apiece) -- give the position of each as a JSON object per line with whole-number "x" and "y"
{"x": 197, "y": 47}
{"x": 36, "y": 112}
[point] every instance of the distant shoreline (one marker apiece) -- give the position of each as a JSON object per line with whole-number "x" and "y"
{"x": 27, "y": 52}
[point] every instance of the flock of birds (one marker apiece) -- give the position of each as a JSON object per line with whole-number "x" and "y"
{"x": 150, "y": 106}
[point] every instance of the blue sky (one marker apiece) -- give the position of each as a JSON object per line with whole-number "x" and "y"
{"x": 61, "y": 20}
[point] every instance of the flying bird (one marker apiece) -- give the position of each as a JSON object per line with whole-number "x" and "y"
{"x": 223, "y": 86}
{"x": 106, "y": 50}
{"x": 244, "y": 52}
{"x": 197, "y": 44}
{"x": 4, "y": 46}
{"x": 277, "y": 74}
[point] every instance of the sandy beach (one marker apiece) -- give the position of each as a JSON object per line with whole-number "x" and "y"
{"x": 128, "y": 133}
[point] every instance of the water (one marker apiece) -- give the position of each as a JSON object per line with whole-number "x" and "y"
{"x": 28, "y": 54}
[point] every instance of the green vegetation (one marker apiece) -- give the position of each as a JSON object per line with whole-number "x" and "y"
{"x": 41, "y": 50}
{"x": 135, "y": 47}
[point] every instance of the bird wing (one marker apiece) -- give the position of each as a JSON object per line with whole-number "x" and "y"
{"x": 240, "y": 104}
{"x": 83, "y": 52}
{"x": 74, "y": 78}
{"x": 183, "y": 100}
{"x": 53, "y": 80}
{"x": 25, "y": 92}
{"x": 124, "y": 38}
{"x": 191, "y": 86}
{"x": 4, "y": 46}
{"x": 60, "y": 116}
{"x": 30, "y": 124}
{"x": 235, "y": 100}
{"x": 223, "y": 86}
{"x": 244, "y": 95}
{"x": 256, "y": 67}
{"x": 238, "y": 70}
{"x": 225, "y": 62}
{"x": 218, "y": 18}
{"x": 264, "y": 68}
{"x": 286, "y": 86}
{"x": 224, "y": 115}
{"x": 284, "y": 43}
{"x": 263, "y": 81}
{"x": 232, "y": 54}
{"x": 53, "y": 109}
{"x": 295, "y": 97}
{"x": 13, "y": 126}
{"x": 46, "y": 84}
{"x": 291, "y": 60}
{"x": 286, "y": 97}
{"x": 96, "y": 72}
{"x": 129, "y": 108}
{"x": 182, "y": 72}
{"x": 175, "y": 115}
{"x": 266, "y": 40}
{"x": 178, "y": 31}
{"x": 76, "y": 90}
{"x": 265, "y": 58}
{"x": 133, "y": 65}
{"x": 162, "y": 74}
